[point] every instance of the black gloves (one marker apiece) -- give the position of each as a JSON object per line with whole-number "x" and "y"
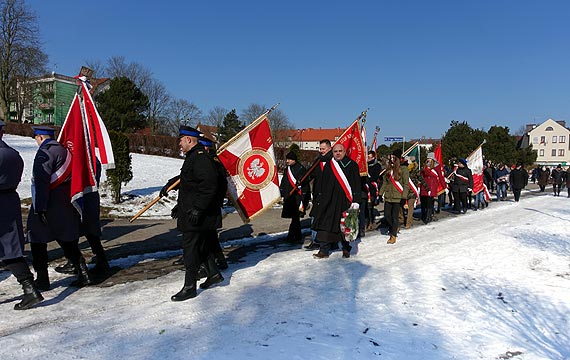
{"x": 43, "y": 217}
{"x": 194, "y": 216}
{"x": 174, "y": 212}
{"x": 164, "y": 190}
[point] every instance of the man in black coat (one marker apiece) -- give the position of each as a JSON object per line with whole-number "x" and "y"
{"x": 518, "y": 179}
{"x": 338, "y": 188}
{"x": 197, "y": 212}
{"x": 374, "y": 170}
{"x": 461, "y": 184}
{"x": 293, "y": 205}
{"x": 11, "y": 226}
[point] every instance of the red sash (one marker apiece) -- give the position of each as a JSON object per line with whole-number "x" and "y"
{"x": 292, "y": 180}
{"x": 396, "y": 184}
{"x": 461, "y": 177}
{"x": 342, "y": 180}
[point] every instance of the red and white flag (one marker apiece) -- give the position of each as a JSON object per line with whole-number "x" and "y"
{"x": 98, "y": 135}
{"x": 475, "y": 163}
{"x": 82, "y": 135}
{"x": 351, "y": 138}
{"x": 253, "y": 183}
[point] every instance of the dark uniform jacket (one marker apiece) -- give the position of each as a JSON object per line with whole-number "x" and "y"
{"x": 374, "y": 181}
{"x": 198, "y": 190}
{"x": 63, "y": 219}
{"x": 459, "y": 184}
{"x": 291, "y": 203}
{"x": 11, "y": 227}
{"x": 331, "y": 199}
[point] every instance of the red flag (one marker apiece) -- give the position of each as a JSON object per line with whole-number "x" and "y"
{"x": 73, "y": 136}
{"x": 442, "y": 185}
{"x": 98, "y": 136}
{"x": 253, "y": 183}
{"x": 354, "y": 145}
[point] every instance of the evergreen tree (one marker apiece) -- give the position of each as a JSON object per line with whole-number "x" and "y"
{"x": 460, "y": 140}
{"x": 122, "y": 107}
{"x": 295, "y": 149}
{"x": 230, "y": 126}
{"x": 122, "y": 173}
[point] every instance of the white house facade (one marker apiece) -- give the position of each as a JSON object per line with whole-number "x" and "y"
{"x": 551, "y": 141}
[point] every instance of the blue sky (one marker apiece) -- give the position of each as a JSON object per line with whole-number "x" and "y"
{"x": 417, "y": 65}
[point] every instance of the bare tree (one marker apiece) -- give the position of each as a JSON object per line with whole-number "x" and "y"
{"x": 252, "y": 112}
{"x": 278, "y": 120}
{"x": 21, "y": 55}
{"x": 99, "y": 70}
{"x": 117, "y": 67}
{"x": 215, "y": 116}
{"x": 181, "y": 112}
{"x": 158, "y": 100}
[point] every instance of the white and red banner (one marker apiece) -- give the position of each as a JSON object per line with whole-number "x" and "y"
{"x": 351, "y": 138}
{"x": 253, "y": 183}
{"x": 84, "y": 135}
{"x": 475, "y": 163}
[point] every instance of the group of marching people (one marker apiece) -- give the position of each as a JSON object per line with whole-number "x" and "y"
{"x": 51, "y": 217}
{"x": 400, "y": 183}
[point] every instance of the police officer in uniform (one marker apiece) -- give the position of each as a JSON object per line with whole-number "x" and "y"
{"x": 52, "y": 216}
{"x": 11, "y": 228}
{"x": 197, "y": 212}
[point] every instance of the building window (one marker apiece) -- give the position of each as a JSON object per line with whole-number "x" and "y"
{"x": 543, "y": 139}
{"x": 560, "y": 152}
{"x": 554, "y": 138}
{"x": 562, "y": 139}
{"x": 549, "y": 129}
{"x": 553, "y": 152}
{"x": 541, "y": 152}
{"x": 535, "y": 139}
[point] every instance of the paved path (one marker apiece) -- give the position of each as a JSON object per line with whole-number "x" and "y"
{"x": 154, "y": 244}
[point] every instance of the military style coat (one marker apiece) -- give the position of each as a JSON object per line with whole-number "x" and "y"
{"x": 11, "y": 227}
{"x": 198, "y": 190}
{"x": 62, "y": 218}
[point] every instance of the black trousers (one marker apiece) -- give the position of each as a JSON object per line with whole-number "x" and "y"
{"x": 517, "y": 194}
{"x": 426, "y": 203}
{"x": 460, "y": 201}
{"x": 195, "y": 252}
{"x": 19, "y": 269}
{"x": 40, "y": 253}
{"x": 294, "y": 234}
{"x": 391, "y": 213}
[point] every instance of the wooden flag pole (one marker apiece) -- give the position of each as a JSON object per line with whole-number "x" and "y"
{"x": 154, "y": 202}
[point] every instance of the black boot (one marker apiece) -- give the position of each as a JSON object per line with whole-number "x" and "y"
{"x": 214, "y": 276}
{"x": 221, "y": 261}
{"x": 101, "y": 266}
{"x": 179, "y": 262}
{"x": 31, "y": 296}
{"x": 202, "y": 271}
{"x": 66, "y": 268}
{"x": 186, "y": 293}
{"x": 83, "y": 278}
{"x": 42, "y": 280}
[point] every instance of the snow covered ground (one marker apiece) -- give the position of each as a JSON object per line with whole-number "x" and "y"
{"x": 491, "y": 284}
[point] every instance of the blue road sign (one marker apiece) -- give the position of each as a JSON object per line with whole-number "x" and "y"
{"x": 394, "y": 138}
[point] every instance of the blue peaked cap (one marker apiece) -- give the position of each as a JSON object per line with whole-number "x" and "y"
{"x": 189, "y": 131}
{"x": 43, "y": 130}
